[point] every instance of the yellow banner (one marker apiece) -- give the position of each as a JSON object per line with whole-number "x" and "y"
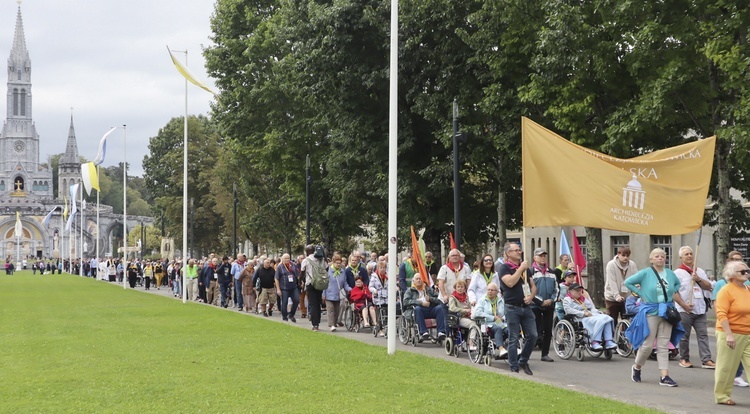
{"x": 663, "y": 192}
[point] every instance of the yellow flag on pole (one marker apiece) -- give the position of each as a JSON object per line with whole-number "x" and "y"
{"x": 662, "y": 192}
{"x": 189, "y": 76}
{"x": 89, "y": 177}
{"x": 65, "y": 212}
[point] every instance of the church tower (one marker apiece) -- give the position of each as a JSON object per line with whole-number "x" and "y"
{"x": 21, "y": 175}
{"x": 69, "y": 168}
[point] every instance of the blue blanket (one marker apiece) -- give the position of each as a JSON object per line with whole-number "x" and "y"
{"x": 639, "y": 330}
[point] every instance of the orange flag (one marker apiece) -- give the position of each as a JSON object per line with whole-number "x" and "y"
{"x": 453, "y": 241}
{"x": 416, "y": 257}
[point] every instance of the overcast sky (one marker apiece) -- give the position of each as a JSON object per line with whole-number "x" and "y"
{"x": 108, "y": 60}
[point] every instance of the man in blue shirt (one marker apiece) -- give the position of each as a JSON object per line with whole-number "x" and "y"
{"x": 237, "y": 267}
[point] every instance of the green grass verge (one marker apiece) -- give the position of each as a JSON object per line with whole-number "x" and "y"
{"x": 72, "y": 344}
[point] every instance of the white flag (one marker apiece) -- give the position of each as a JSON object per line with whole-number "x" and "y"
{"x": 102, "y": 148}
{"x": 73, "y": 192}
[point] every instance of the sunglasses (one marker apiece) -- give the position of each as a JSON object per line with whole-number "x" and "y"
{"x": 744, "y": 271}
{"x": 488, "y": 260}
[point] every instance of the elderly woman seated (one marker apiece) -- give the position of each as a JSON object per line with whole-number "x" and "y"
{"x": 459, "y": 305}
{"x": 492, "y": 308}
{"x": 361, "y": 297}
{"x": 597, "y": 324}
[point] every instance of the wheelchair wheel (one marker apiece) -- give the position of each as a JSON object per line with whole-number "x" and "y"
{"x": 488, "y": 360}
{"x": 579, "y": 354}
{"x": 448, "y": 346}
{"x": 564, "y": 339}
{"x": 624, "y": 348}
{"x": 348, "y": 318}
{"x": 608, "y": 354}
{"x": 402, "y": 329}
{"x": 474, "y": 350}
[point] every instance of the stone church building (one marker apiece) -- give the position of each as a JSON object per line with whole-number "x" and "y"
{"x": 26, "y": 184}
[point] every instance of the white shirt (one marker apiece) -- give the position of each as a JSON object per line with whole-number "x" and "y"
{"x": 450, "y": 277}
{"x": 689, "y": 288}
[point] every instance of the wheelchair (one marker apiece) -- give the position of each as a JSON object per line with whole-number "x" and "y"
{"x": 454, "y": 342}
{"x": 481, "y": 346}
{"x": 625, "y": 348}
{"x": 408, "y": 331}
{"x": 571, "y": 337}
{"x": 382, "y": 313}
{"x": 353, "y": 319}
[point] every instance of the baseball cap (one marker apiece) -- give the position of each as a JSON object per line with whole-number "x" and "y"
{"x": 570, "y": 272}
{"x": 574, "y": 286}
{"x": 539, "y": 251}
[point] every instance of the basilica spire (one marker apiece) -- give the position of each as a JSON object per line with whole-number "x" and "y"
{"x": 19, "y": 55}
{"x": 71, "y": 148}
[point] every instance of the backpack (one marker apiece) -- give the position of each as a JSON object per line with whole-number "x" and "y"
{"x": 319, "y": 275}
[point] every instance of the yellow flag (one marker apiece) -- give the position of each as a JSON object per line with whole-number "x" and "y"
{"x": 89, "y": 177}
{"x": 65, "y": 212}
{"x": 663, "y": 192}
{"x": 189, "y": 76}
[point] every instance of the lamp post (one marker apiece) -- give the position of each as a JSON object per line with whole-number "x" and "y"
{"x": 192, "y": 225}
{"x": 307, "y": 199}
{"x": 456, "y": 178}
{"x": 234, "y": 238}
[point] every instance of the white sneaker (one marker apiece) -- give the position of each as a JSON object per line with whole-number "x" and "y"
{"x": 739, "y": 382}
{"x": 333, "y": 329}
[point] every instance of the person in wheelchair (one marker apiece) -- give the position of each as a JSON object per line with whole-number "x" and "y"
{"x": 597, "y": 324}
{"x": 492, "y": 308}
{"x": 379, "y": 289}
{"x": 361, "y": 298}
{"x": 423, "y": 301}
{"x": 569, "y": 279}
{"x": 459, "y": 305}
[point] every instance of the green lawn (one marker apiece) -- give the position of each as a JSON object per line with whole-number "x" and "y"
{"x": 71, "y": 344}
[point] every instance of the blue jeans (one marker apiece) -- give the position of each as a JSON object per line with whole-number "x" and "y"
{"x": 520, "y": 318}
{"x": 285, "y": 295}
{"x": 176, "y": 287}
{"x": 498, "y": 332}
{"x": 433, "y": 312}
{"x": 238, "y": 294}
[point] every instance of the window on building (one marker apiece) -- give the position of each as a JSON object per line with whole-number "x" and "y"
{"x": 582, "y": 243}
{"x": 617, "y": 242}
{"x": 15, "y": 101}
{"x": 19, "y": 74}
{"x": 23, "y": 102}
{"x": 664, "y": 243}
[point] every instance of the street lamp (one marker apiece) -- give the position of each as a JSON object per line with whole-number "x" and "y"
{"x": 457, "y": 136}
{"x": 307, "y": 199}
{"x": 234, "y": 195}
{"x": 192, "y": 225}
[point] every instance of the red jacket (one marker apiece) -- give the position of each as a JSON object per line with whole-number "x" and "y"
{"x": 360, "y": 296}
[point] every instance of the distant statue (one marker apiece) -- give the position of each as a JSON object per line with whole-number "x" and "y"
{"x": 55, "y": 242}
{"x": 139, "y": 244}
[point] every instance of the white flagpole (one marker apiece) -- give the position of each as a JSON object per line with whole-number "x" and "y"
{"x": 97, "y": 226}
{"x": 392, "y": 179}
{"x": 62, "y": 236}
{"x": 83, "y": 209}
{"x": 184, "y": 187}
{"x": 124, "y": 207}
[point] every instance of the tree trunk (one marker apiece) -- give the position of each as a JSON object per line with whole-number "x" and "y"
{"x": 502, "y": 224}
{"x": 724, "y": 213}
{"x": 594, "y": 265}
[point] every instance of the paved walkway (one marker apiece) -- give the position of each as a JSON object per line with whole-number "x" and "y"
{"x": 597, "y": 376}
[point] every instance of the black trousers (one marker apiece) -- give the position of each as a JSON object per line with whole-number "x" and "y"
{"x": 314, "y": 299}
{"x": 544, "y": 319}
